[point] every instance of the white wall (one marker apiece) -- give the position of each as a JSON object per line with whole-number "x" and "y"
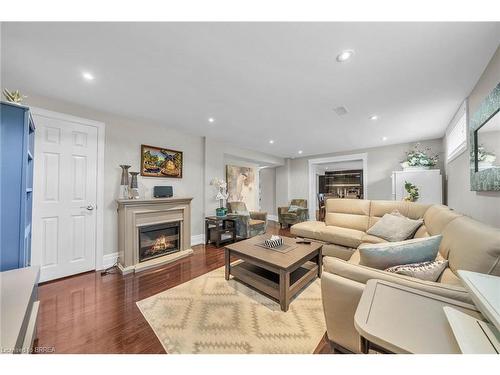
{"x": 283, "y": 184}
{"x": 124, "y": 137}
{"x": 381, "y": 162}
{"x": 483, "y": 206}
{"x": 217, "y": 154}
{"x": 203, "y": 160}
{"x": 268, "y": 191}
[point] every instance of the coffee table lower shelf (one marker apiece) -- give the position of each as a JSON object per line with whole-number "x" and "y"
{"x": 269, "y": 282}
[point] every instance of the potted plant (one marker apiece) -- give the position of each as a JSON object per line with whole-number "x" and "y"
{"x": 419, "y": 158}
{"x": 221, "y": 187}
{"x": 412, "y": 191}
{"x": 485, "y": 159}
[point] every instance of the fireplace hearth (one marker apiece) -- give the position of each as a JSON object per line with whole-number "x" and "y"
{"x": 158, "y": 240}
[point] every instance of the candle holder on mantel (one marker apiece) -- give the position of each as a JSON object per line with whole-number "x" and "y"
{"x": 124, "y": 183}
{"x": 134, "y": 187}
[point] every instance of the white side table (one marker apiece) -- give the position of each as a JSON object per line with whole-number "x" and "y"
{"x": 396, "y": 319}
{"x": 476, "y": 336}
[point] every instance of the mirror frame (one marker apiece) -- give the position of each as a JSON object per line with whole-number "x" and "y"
{"x": 486, "y": 179}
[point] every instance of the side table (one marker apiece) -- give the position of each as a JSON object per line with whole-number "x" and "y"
{"x": 392, "y": 318}
{"x": 220, "y": 229}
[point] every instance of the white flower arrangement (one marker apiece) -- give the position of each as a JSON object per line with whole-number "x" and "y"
{"x": 420, "y": 157}
{"x": 221, "y": 187}
{"x": 487, "y": 157}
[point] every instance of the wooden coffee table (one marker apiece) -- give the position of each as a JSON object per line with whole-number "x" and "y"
{"x": 278, "y": 274}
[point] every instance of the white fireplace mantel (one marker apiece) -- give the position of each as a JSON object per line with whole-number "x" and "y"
{"x": 135, "y": 213}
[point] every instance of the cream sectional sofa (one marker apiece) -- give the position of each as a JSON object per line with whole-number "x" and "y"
{"x": 467, "y": 244}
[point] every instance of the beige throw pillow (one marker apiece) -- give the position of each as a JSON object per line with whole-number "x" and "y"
{"x": 395, "y": 227}
{"x": 429, "y": 271}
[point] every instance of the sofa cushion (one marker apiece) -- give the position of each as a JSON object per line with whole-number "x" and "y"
{"x": 289, "y": 215}
{"x": 448, "y": 277}
{"x": 437, "y": 217}
{"x": 368, "y": 238}
{"x": 421, "y": 232}
{"x": 308, "y": 229}
{"x": 355, "y": 258}
{"x": 362, "y": 274}
{"x": 430, "y": 270}
{"x": 472, "y": 246}
{"x": 341, "y": 236}
{"x": 395, "y": 227}
{"x": 253, "y": 222}
{"x": 337, "y": 251}
{"x": 347, "y": 213}
{"x": 385, "y": 255}
{"x": 378, "y": 208}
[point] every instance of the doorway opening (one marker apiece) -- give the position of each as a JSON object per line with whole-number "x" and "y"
{"x": 336, "y": 177}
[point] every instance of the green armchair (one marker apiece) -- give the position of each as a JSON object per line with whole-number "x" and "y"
{"x": 248, "y": 223}
{"x": 289, "y": 217}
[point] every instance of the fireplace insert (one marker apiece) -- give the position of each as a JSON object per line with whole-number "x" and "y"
{"x": 158, "y": 240}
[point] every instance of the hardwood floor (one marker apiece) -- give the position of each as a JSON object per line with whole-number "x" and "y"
{"x": 90, "y": 313}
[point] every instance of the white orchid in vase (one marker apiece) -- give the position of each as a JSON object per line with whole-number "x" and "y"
{"x": 221, "y": 187}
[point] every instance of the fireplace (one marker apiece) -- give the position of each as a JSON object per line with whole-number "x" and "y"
{"x": 158, "y": 240}
{"x": 141, "y": 222}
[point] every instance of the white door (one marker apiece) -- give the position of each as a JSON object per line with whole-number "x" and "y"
{"x": 65, "y": 196}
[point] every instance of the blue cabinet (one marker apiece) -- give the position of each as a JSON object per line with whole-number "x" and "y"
{"x": 17, "y": 142}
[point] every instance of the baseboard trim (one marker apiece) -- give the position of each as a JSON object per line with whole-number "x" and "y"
{"x": 272, "y": 217}
{"x": 109, "y": 260}
{"x": 197, "y": 239}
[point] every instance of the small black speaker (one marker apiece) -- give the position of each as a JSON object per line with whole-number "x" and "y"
{"x": 163, "y": 191}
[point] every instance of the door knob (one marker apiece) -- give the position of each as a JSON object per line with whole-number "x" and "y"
{"x": 89, "y": 207}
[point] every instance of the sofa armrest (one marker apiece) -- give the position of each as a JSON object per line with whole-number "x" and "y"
{"x": 303, "y": 214}
{"x": 362, "y": 274}
{"x": 243, "y": 219}
{"x": 258, "y": 215}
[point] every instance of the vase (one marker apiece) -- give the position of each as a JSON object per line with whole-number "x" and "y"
{"x": 134, "y": 187}
{"x": 124, "y": 183}
{"x": 220, "y": 211}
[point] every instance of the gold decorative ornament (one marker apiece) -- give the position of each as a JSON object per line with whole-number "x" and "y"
{"x": 13, "y": 96}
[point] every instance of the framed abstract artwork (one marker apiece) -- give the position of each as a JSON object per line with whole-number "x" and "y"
{"x": 160, "y": 162}
{"x": 241, "y": 185}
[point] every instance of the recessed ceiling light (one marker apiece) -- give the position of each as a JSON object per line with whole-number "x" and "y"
{"x": 345, "y": 55}
{"x": 384, "y": 138}
{"x": 211, "y": 119}
{"x": 300, "y": 151}
{"x": 271, "y": 141}
{"x": 341, "y": 111}
{"x": 88, "y": 76}
{"x": 374, "y": 117}
{"x": 326, "y": 167}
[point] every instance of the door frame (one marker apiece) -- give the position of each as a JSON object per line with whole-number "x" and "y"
{"x": 332, "y": 159}
{"x": 101, "y": 133}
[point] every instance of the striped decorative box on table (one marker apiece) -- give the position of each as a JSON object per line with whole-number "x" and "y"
{"x": 273, "y": 242}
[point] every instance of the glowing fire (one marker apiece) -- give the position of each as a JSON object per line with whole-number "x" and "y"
{"x": 161, "y": 244}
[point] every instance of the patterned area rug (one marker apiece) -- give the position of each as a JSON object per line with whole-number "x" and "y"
{"x": 211, "y": 315}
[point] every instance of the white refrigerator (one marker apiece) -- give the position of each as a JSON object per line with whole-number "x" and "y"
{"x": 429, "y": 183}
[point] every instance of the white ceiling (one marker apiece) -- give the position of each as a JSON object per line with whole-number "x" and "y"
{"x": 260, "y": 81}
